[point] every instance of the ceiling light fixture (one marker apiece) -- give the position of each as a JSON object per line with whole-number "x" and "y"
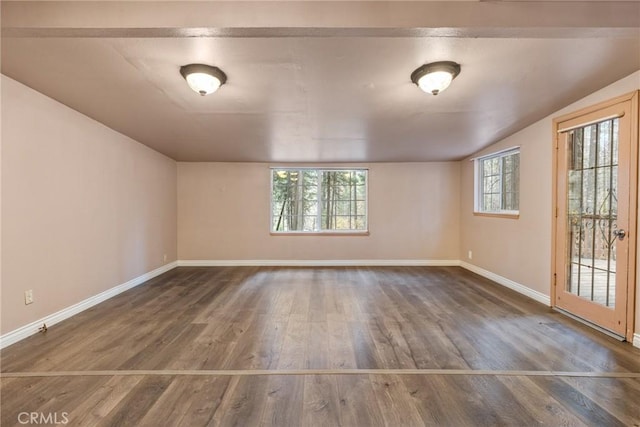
{"x": 203, "y": 79}
{"x": 435, "y": 77}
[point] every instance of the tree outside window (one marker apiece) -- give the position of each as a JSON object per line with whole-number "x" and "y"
{"x": 318, "y": 200}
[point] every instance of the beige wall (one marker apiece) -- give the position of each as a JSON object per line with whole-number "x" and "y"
{"x": 223, "y": 214}
{"x": 520, "y": 249}
{"x": 84, "y": 208}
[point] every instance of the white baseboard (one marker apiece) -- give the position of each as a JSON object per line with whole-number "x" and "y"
{"x": 636, "y": 340}
{"x": 33, "y": 327}
{"x": 320, "y": 263}
{"x": 538, "y": 296}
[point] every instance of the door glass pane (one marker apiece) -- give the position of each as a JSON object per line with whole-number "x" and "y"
{"x": 592, "y": 212}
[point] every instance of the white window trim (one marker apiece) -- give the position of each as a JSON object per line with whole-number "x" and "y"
{"x": 477, "y": 191}
{"x": 364, "y": 232}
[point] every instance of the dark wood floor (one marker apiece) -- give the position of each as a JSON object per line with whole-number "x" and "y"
{"x": 392, "y": 346}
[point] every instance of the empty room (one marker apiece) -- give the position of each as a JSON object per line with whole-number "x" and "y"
{"x": 319, "y": 213}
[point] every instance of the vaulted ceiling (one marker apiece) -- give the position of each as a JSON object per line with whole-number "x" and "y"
{"x": 313, "y": 81}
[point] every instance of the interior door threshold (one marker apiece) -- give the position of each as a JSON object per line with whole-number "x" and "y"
{"x": 590, "y": 324}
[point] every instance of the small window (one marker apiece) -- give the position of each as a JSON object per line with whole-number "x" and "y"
{"x": 307, "y": 200}
{"x": 497, "y": 183}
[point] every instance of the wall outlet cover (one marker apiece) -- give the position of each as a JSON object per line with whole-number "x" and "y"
{"x": 28, "y": 297}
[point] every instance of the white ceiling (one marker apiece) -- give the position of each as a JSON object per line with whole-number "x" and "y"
{"x": 330, "y": 93}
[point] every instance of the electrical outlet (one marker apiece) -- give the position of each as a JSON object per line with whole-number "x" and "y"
{"x": 28, "y": 297}
{"x": 470, "y": 255}
{"x": 165, "y": 258}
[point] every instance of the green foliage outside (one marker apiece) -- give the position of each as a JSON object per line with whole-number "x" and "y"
{"x": 310, "y": 200}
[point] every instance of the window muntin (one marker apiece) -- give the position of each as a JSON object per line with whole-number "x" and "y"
{"x": 305, "y": 200}
{"x": 497, "y": 180}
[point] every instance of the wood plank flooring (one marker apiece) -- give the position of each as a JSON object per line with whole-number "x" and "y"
{"x": 276, "y": 346}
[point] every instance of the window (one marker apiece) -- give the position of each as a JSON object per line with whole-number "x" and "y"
{"x": 497, "y": 178}
{"x": 307, "y": 200}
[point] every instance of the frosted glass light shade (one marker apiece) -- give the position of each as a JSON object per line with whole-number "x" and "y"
{"x": 435, "y": 82}
{"x": 202, "y": 83}
{"x": 435, "y": 77}
{"x": 203, "y": 79}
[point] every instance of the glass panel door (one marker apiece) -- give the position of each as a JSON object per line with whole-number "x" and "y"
{"x": 595, "y": 216}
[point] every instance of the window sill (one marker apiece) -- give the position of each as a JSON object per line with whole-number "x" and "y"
{"x": 498, "y": 215}
{"x": 327, "y": 233}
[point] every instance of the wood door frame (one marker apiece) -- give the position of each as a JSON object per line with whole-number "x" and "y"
{"x": 633, "y": 198}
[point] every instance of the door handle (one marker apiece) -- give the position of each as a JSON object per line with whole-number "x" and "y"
{"x": 619, "y": 233}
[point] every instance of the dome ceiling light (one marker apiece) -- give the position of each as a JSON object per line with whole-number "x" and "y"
{"x": 436, "y": 76}
{"x": 203, "y": 79}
